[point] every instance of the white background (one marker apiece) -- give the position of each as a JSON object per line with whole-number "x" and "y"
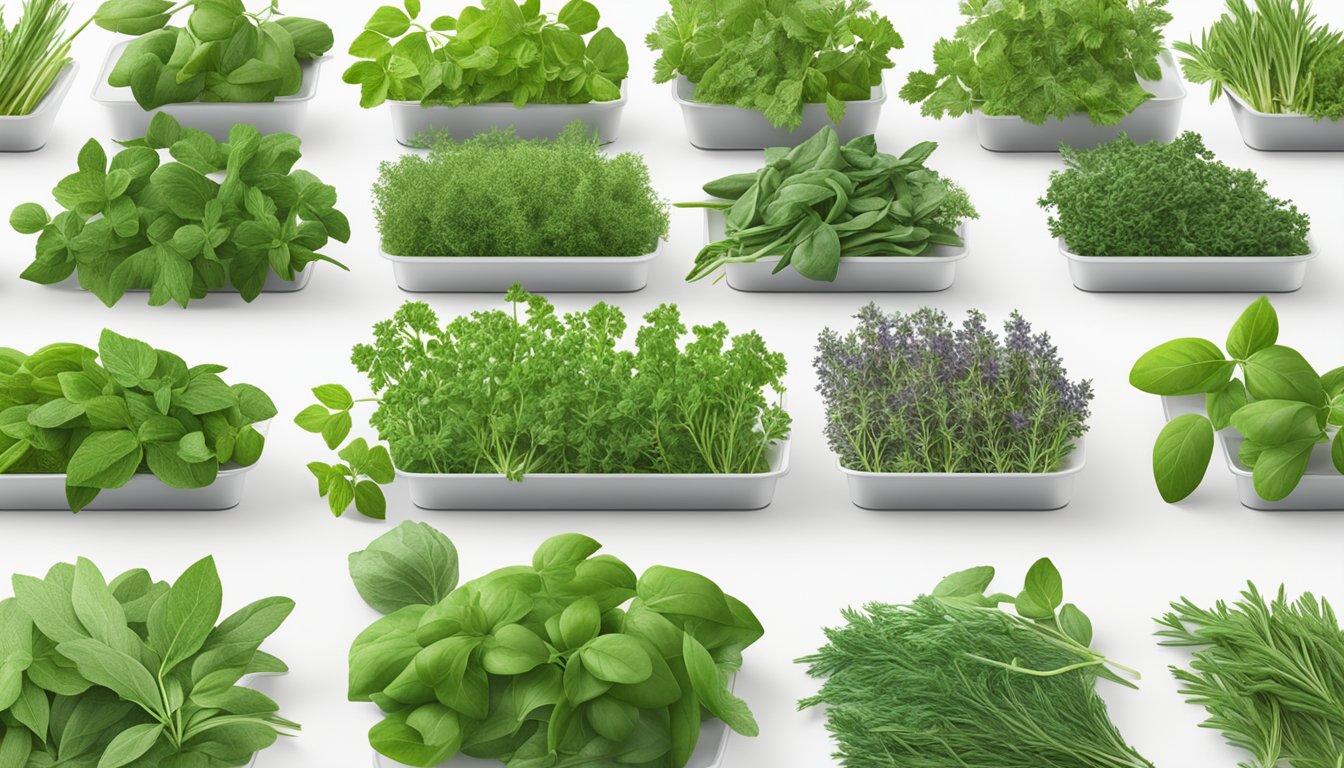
{"x": 1123, "y": 552}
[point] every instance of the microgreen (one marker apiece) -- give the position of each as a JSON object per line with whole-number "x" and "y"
{"x": 32, "y": 54}
{"x": 221, "y": 214}
{"x": 820, "y": 202}
{"x": 224, "y": 53}
{"x": 1038, "y": 59}
{"x": 357, "y": 478}
{"x": 1177, "y": 199}
{"x": 134, "y": 672}
{"x": 775, "y": 56}
{"x": 501, "y": 51}
{"x": 499, "y": 195}
{"x": 1281, "y": 406}
{"x": 572, "y": 659}
{"x": 914, "y": 393}
{"x": 952, "y": 680}
{"x": 102, "y": 416}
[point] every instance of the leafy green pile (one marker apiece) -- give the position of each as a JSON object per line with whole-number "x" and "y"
{"x": 775, "y": 56}
{"x": 499, "y": 195}
{"x": 503, "y": 52}
{"x": 171, "y": 228}
{"x": 1269, "y": 674}
{"x": 951, "y": 680}
{"x": 99, "y": 417}
{"x": 1037, "y": 59}
{"x": 820, "y": 202}
{"x": 1177, "y": 199}
{"x": 1283, "y": 408}
{"x": 224, "y": 53}
{"x": 32, "y": 54}
{"x": 571, "y": 660}
{"x": 1275, "y": 57}
{"x": 134, "y": 672}
{"x": 493, "y": 393}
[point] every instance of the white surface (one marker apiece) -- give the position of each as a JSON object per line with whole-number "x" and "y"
{"x": 409, "y": 119}
{"x": 540, "y": 274}
{"x": 1123, "y": 552}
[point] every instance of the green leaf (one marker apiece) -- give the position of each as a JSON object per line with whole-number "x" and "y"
{"x": 711, "y": 688}
{"x": 180, "y": 624}
{"x": 1276, "y": 422}
{"x": 1279, "y": 470}
{"x": 580, "y": 16}
{"x": 334, "y": 396}
{"x": 313, "y": 419}
{"x": 514, "y": 650}
{"x": 1182, "y": 367}
{"x": 29, "y": 219}
{"x": 390, "y": 21}
{"x": 971, "y": 582}
{"x": 105, "y": 460}
{"x": 395, "y": 738}
{"x": 413, "y": 564}
{"x": 132, "y": 17}
{"x": 340, "y": 495}
{"x": 1181, "y": 456}
{"x": 673, "y": 591}
{"x": 369, "y": 500}
{"x": 1044, "y": 582}
{"x": 617, "y": 659}
{"x": 130, "y": 362}
{"x": 1282, "y": 373}
{"x": 1221, "y": 405}
{"x": 114, "y": 670}
{"x": 130, "y": 745}
{"x": 1337, "y": 452}
{"x": 1256, "y": 329}
{"x": 336, "y": 429}
{"x": 1074, "y": 623}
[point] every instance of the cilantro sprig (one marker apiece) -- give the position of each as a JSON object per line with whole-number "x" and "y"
{"x": 505, "y": 51}
{"x": 173, "y": 228}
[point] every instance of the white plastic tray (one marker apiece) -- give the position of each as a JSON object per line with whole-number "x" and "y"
{"x": 1321, "y": 489}
{"x": 600, "y": 492}
{"x": 143, "y": 492}
{"x": 1188, "y": 274}
{"x": 129, "y": 120}
{"x": 538, "y": 274}
{"x": 29, "y": 133}
{"x": 274, "y": 283}
{"x": 965, "y": 490}
{"x": 1285, "y": 132}
{"x": 1181, "y": 405}
{"x": 1158, "y": 119}
{"x": 869, "y": 274}
{"x": 533, "y": 121}
{"x": 723, "y": 126}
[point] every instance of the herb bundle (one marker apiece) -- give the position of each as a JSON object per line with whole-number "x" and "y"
{"x": 505, "y": 51}
{"x": 100, "y": 417}
{"x": 951, "y": 680}
{"x": 172, "y": 228}
{"x": 1038, "y": 59}
{"x": 225, "y": 53}
{"x": 134, "y": 672}
{"x": 570, "y": 660}
{"x": 1268, "y": 672}
{"x": 1275, "y": 57}
{"x": 32, "y": 54}
{"x": 913, "y": 393}
{"x": 1281, "y": 406}
{"x": 775, "y": 56}
{"x": 499, "y": 195}
{"x": 1177, "y": 199}
{"x": 820, "y": 202}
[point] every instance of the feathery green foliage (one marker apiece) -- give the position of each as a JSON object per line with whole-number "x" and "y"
{"x": 32, "y": 54}
{"x": 499, "y": 195}
{"x": 1177, "y": 199}
{"x": 951, "y": 680}
{"x": 1275, "y": 57}
{"x": 1270, "y": 674}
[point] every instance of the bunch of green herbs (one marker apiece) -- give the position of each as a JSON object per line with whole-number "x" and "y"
{"x": 1042, "y": 59}
{"x": 499, "y": 195}
{"x": 1270, "y": 673}
{"x": 1274, "y": 56}
{"x": 32, "y": 55}
{"x": 571, "y": 660}
{"x": 225, "y": 53}
{"x": 776, "y": 56}
{"x": 912, "y": 393}
{"x": 501, "y": 51}
{"x": 134, "y": 672}
{"x": 820, "y": 202}
{"x": 172, "y": 228}
{"x": 1177, "y": 199}
{"x": 952, "y": 680}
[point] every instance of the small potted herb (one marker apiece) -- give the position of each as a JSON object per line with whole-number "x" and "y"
{"x": 130, "y": 671}
{"x": 125, "y": 426}
{"x": 923, "y": 414}
{"x": 773, "y": 73}
{"x": 226, "y": 65}
{"x": 527, "y": 409}
{"x": 1282, "y": 71}
{"x": 1036, "y": 74}
{"x": 220, "y": 217}
{"x": 1171, "y": 217}
{"x": 36, "y": 73}
{"x": 555, "y": 214}
{"x": 570, "y": 659}
{"x": 1279, "y": 423}
{"x": 503, "y": 64}
{"x": 867, "y": 222}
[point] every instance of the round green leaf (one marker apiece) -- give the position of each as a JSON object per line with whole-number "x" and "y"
{"x": 1182, "y": 455}
{"x": 1182, "y": 367}
{"x": 617, "y": 659}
